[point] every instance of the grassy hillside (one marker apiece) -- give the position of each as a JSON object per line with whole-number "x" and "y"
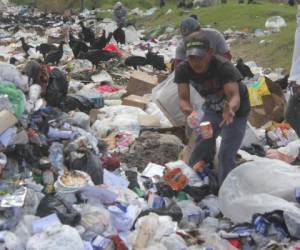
{"x": 276, "y": 52}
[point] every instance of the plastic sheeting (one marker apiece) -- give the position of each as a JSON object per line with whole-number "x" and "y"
{"x": 259, "y": 186}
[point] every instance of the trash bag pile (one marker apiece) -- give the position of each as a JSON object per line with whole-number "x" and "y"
{"x": 93, "y": 156}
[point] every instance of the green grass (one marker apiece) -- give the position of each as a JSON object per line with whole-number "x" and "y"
{"x": 242, "y": 17}
{"x": 276, "y": 54}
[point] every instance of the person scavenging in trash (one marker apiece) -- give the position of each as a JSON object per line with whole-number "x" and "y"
{"x": 120, "y": 13}
{"x": 226, "y": 104}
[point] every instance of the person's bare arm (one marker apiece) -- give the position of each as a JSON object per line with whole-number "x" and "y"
{"x": 184, "y": 98}
{"x": 232, "y": 104}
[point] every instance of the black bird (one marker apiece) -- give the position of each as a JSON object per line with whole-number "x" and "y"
{"x": 119, "y": 35}
{"x": 97, "y": 56}
{"x": 135, "y": 61}
{"x": 88, "y": 34}
{"x": 55, "y": 56}
{"x": 243, "y": 69}
{"x": 101, "y": 42}
{"x": 283, "y": 82}
{"x": 291, "y": 2}
{"x": 155, "y": 60}
{"x": 25, "y": 46}
{"x": 45, "y": 48}
{"x": 162, "y": 3}
{"x": 77, "y": 46}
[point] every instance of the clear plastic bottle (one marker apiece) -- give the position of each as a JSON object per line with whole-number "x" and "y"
{"x": 56, "y": 157}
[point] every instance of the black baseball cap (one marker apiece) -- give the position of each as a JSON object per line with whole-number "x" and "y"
{"x": 197, "y": 47}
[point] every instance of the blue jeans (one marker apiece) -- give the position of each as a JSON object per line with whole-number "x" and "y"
{"x": 232, "y": 137}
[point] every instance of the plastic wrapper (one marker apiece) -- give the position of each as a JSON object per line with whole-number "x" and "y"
{"x": 16, "y": 199}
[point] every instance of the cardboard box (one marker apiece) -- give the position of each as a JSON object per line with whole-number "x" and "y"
{"x": 135, "y": 101}
{"x": 149, "y": 120}
{"x": 7, "y": 120}
{"x": 272, "y": 109}
{"x": 141, "y": 83}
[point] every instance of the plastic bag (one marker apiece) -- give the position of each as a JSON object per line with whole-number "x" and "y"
{"x": 192, "y": 214}
{"x": 165, "y": 95}
{"x": 15, "y": 96}
{"x": 58, "y": 237}
{"x": 257, "y": 90}
{"x": 275, "y": 22}
{"x": 55, "y": 204}
{"x": 74, "y": 101}
{"x": 10, "y": 73}
{"x": 153, "y": 228}
{"x": 173, "y": 242}
{"x": 81, "y": 66}
{"x": 24, "y": 229}
{"x": 89, "y": 163}
{"x": 95, "y": 219}
{"x": 10, "y": 241}
{"x": 257, "y": 187}
{"x": 79, "y": 119}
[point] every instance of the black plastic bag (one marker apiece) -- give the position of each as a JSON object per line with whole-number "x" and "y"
{"x": 54, "y": 204}
{"x": 173, "y": 211}
{"x": 73, "y": 102}
{"x": 197, "y": 193}
{"x": 89, "y": 163}
{"x": 132, "y": 178}
{"x": 57, "y": 88}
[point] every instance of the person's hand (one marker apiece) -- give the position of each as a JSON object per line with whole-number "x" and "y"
{"x": 228, "y": 115}
{"x": 186, "y": 108}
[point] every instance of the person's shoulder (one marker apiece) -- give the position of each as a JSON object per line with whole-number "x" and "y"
{"x": 183, "y": 66}
{"x": 222, "y": 62}
{"x": 211, "y": 31}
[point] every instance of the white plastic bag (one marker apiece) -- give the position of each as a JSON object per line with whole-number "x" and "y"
{"x": 58, "y": 237}
{"x": 94, "y": 219}
{"x": 275, "y": 22}
{"x": 10, "y": 241}
{"x": 165, "y": 95}
{"x": 259, "y": 186}
{"x": 11, "y": 74}
{"x": 79, "y": 119}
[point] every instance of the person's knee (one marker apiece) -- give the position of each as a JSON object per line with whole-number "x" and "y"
{"x": 226, "y": 156}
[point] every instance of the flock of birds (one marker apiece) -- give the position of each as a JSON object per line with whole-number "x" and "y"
{"x": 88, "y": 46}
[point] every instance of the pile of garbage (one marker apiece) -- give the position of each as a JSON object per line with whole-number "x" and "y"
{"x": 97, "y": 159}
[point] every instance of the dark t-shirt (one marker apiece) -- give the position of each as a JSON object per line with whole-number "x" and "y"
{"x": 210, "y": 84}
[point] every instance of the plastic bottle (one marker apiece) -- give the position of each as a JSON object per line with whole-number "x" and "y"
{"x": 56, "y": 156}
{"x": 193, "y": 120}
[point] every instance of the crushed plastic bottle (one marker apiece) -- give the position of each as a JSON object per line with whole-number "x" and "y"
{"x": 56, "y": 157}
